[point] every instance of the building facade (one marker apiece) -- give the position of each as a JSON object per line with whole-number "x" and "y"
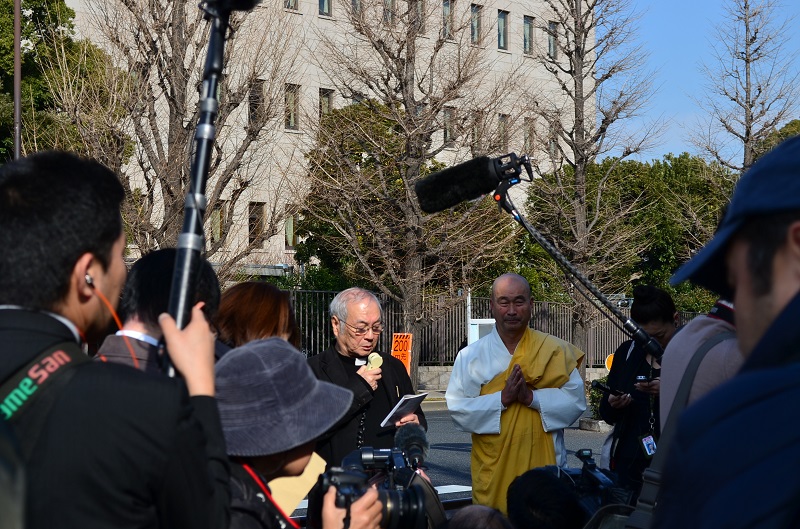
{"x": 477, "y": 77}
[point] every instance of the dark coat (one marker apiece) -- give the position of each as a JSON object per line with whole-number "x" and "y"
{"x": 119, "y": 448}
{"x": 735, "y": 456}
{"x": 339, "y": 441}
{"x": 628, "y": 459}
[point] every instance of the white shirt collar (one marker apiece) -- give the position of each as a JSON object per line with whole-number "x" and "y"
{"x": 136, "y": 335}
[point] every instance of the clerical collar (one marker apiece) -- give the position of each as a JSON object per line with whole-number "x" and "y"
{"x": 142, "y": 337}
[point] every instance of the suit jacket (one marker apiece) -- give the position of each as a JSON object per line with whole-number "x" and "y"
{"x": 336, "y": 443}
{"x": 115, "y": 350}
{"x": 118, "y": 448}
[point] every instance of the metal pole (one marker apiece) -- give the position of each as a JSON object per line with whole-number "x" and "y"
{"x": 17, "y": 80}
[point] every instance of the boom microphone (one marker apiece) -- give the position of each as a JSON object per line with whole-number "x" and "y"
{"x": 411, "y": 439}
{"x": 454, "y": 185}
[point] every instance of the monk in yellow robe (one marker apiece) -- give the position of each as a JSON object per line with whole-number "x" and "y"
{"x": 515, "y": 390}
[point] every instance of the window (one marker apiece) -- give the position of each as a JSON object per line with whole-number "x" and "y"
{"x": 529, "y": 132}
{"x": 255, "y": 221}
{"x": 527, "y": 35}
{"x": 292, "y": 111}
{"x": 502, "y": 132}
{"x": 290, "y": 239}
{"x": 418, "y": 20}
{"x": 502, "y": 30}
{"x": 447, "y": 19}
{"x": 255, "y": 102}
{"x": 325, "y": 101}
{"x": 389, "y": 11}
{"x": 477, "y": 133}
{"x": 291, "y": 4}
{"x": 476, "y": 12}
{"x": 217, "y": 220}
{"x": 325, "y": 7}
{"x": 552, "y": 143}
{"x": 449, "y": 114}
{"x": 552, "y": 40}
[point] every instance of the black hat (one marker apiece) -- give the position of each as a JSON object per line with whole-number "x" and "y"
{"x": 270, "y": 401}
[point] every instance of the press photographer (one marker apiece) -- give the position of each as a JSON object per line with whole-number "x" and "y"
{"x": 272, "y": 410}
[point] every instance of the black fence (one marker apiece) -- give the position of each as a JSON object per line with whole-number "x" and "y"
{"x": 446, "y": 333}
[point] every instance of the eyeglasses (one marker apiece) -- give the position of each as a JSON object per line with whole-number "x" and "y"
{"x": 361, "y": 331}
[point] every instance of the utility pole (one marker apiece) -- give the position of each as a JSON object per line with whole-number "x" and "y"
{"x": 17, "y": 79}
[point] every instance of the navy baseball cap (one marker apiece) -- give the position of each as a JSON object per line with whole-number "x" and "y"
{"x": 771, "y": 185}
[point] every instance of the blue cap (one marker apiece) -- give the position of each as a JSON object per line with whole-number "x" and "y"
{"x": 771, "y": 185}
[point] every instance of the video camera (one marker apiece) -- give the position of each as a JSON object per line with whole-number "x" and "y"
{"x": 387, "y": 469}
{"x": 594, "y": 486}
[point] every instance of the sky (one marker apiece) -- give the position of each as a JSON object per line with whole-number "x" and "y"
{"x": 676, "y": 35}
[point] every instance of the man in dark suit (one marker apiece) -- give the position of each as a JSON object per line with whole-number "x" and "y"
{"x": 104, "y": 445}
{"x": 357, "y": 322}
{"x": 144, "y": 298}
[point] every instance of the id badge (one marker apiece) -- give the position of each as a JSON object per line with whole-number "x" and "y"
{"x": 648, "y": 444}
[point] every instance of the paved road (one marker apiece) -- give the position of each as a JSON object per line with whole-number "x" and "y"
{"x": 448, "y": 459}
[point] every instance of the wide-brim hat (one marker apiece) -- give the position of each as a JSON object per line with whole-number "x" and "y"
{"x": 270, "y": 401}
{"x": 771, "y": 185}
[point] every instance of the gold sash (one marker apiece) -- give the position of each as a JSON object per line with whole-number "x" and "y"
{"x": 522, "y": 443}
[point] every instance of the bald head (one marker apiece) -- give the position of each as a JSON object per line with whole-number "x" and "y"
{"x": 510, "y": 278}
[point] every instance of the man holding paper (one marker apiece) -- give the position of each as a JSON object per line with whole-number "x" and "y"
{"x": 378, "y": 381}
{"x": 515, "y": 389}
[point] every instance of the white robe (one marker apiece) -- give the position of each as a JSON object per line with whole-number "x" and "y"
{"x": 472, "y": 412}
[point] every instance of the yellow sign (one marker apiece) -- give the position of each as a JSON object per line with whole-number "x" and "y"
{"x": 401, "y": 348}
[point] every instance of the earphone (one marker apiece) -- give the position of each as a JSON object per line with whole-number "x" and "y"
{"x": 89, "y": 280}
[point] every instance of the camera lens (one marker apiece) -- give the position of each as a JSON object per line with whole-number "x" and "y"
{"x": 403, "y": 508}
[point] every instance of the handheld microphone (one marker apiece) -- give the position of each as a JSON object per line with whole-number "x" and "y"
{"x": 412, "y": 440}
{"x": 466, "y": 181}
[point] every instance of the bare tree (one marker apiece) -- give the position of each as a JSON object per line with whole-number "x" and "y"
{"x": 423, "y": 90}
{"x": 752, "y": 85}
{"x": 145, "y": 98}
{"x": 589, "y": 53}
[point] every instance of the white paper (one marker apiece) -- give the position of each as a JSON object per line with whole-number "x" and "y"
{"x": 408, "y": 404}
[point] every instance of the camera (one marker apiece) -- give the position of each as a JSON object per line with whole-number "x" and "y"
{"x": 404, "y": 503}
{"x": 594, "y": 486}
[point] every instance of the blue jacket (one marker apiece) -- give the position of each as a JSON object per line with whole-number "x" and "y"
{"x": 735, "y": 461}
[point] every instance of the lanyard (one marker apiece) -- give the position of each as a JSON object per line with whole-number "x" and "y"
{"x": 265, "y": 490}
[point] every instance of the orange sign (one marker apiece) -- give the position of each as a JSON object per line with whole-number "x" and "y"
{"x": 609, "y": 361}
{"x": 401, "y": 348}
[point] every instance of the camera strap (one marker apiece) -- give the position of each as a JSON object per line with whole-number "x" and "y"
{"x": 280, "y": 516}
{"x": 27, "y": 396}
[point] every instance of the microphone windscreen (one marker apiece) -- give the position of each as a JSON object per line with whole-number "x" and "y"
{"x": 449, "y": 187}
{"x": 412, "y": 440}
